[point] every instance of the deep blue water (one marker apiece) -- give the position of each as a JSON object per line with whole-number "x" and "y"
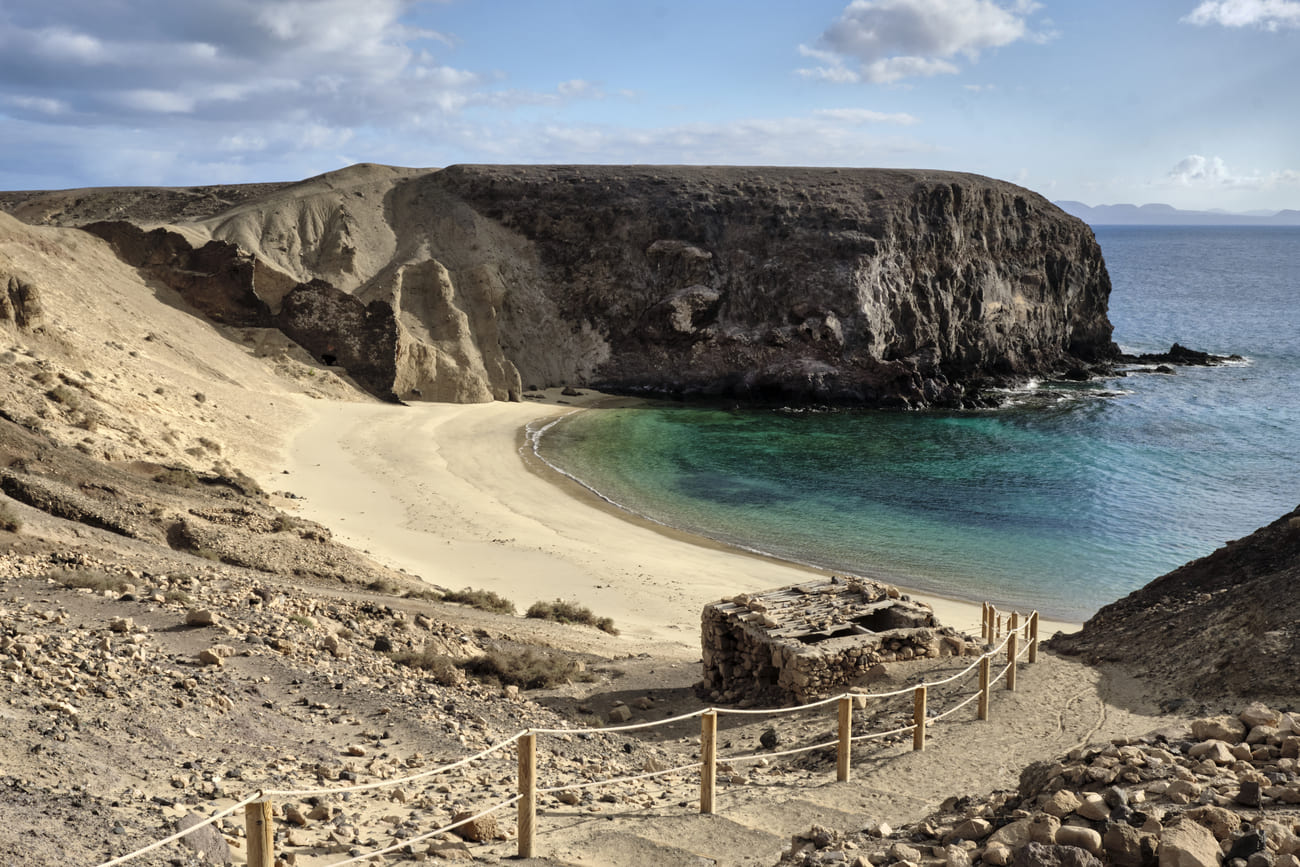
{"x": 1066, "y": 499}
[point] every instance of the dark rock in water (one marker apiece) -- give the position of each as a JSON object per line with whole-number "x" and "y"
{"x": 770, "y": 739}
{"x": 570, "y": 391}
{"x": 1179, "y": 355}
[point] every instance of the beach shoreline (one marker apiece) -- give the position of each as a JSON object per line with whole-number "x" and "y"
{"x": 453, "y": 493}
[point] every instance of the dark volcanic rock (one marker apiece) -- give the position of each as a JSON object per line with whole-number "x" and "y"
{"x": 834, "y": 285}
{"x": 1226, "y": 624}
{"x": 1180, "y": 355}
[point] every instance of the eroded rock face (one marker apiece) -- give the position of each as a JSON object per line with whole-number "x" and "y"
{"x": 844, "y": 285}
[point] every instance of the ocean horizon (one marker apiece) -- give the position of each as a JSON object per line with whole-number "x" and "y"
{"x": 1065, "y": 498}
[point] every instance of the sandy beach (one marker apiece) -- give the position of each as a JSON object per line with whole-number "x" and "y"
{"x": 452, "y": 494}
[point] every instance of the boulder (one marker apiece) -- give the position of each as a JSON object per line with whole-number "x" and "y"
{"x": 1188, "y": 844}
{"x": 1223, "y": 728}
{"x": 1039, "y": 855}
{"x": 479, "y": 830}
{"x": 207, "y": 842}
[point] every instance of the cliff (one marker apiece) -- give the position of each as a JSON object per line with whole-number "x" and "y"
{"x": 859, "y": 286}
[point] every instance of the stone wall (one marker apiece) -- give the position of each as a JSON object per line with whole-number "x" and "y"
{"x": 798, "y": 644}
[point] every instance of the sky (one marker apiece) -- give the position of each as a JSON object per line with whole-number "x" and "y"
{"x": 1194, "y": 103}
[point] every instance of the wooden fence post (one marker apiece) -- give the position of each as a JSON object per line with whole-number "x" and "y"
{"x": 846, "y": 739}
{"x": 918, "y": 719}
{"x": 985, "y": 664}
{"x": 998, "y": 632}
{"x": 1033, "y": 637}
{"x": 260, "y": 832}
{"x": 985, "y": 632}
{"x": 708, "y": 759}
{"x": 1012, "y": 640}
{"x": 527, "y": 822}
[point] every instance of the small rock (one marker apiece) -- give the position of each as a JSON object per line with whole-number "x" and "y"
{"x": 769, "y": 739}
{"x": 122, "y": 624}
{"x": 619, "y": 714}
{"x": 1188, "y": 844}
{"x": 479, "y": 830}
{"x": 200, "y": 617}
{"x": 210, "y": 657}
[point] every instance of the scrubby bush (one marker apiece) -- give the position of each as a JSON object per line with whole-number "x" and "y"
{"x": 485, "y": 600}
{"x": 526, "y": 669}
{"x": 441, "y": 667}
{"x": 9, "y": 519}
{"x": 570, "y": 612}
{"x": 64, "y": 395}
{"x": 89, "y": 579}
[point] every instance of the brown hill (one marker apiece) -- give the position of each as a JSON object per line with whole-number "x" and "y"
{"x": 1225, "y": 625}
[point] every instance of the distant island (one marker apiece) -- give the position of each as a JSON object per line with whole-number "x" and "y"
{"x": 1167, "y": 215}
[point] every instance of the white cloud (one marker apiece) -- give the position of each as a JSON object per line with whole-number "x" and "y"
{"x": 1268, "y": 14}
{"x": 890, "y": 40}
{"x": 866, "y": 115}
{"x": 1212, "y": 172}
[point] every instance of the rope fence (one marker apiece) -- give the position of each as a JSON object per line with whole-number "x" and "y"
{"x": 1003, "y": 634}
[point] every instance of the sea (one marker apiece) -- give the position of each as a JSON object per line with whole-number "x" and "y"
{"x": 1066, "y": 498}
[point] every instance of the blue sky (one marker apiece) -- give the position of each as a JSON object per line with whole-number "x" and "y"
{"x": 1189, "y": 102}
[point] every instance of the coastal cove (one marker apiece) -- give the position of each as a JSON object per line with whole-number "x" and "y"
{"x": 1068, "y": 497}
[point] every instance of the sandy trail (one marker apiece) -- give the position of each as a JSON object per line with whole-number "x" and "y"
{"x": 446, "y": 492}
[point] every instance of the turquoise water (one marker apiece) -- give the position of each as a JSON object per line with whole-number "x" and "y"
{"x": 1067, "y": 498}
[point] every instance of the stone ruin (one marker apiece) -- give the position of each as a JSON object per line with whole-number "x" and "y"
{"x": 809, "y": 641}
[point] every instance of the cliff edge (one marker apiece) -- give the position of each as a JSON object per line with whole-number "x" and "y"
{"x": 854, "y": 286}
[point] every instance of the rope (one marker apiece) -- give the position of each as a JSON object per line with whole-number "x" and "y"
{"x": 868, "y": 737}
{"x": 412, "y": 841}
{"x": 224, "y": 813}
{"x": 361, "y": 787}
{"x": 626, "y": 728}
{"x": 752, "y": 757}
{"x": 592, "y": 784}
{"x": 777, "y": 710}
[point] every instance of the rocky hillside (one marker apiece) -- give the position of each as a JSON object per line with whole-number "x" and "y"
{"x": 1233, "y": 616}
{"x": 862, "y": 286}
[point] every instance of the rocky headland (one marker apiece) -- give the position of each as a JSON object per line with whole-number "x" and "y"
{"x": 470, "y": 283}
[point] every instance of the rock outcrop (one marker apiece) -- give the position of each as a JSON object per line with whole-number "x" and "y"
{"x": 1225, "y": 625}
{"x": 856, "y": 286}
{"x": 861, "y": 286}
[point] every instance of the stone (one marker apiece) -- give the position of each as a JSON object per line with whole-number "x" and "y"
{"x": 1222, "y": 823}
{"x": 479, "y": 830}
{"x": 619, "y": 714}
{"x": 1043, "y": 828}
{"x": 1040, "y": 855}
{"x": 207, "y": 842}
{"x": 121, "y": 624}
{"x": 1084, "y": 838}
{"x": 1123, "y": 844}
{"x": 1094, "y": 807}
{"x": 294, "y": 816}
{"x": 1183, "y": 791}
{"x": 996, "y": 854}
{"x": 1223, "y": 728}
{"x": 1215, "y": 750}
{"x": 1247, "y": 844}
{"x": 904, "y": 852}
{"x": 200, "y": 617}
{"x": 210, "y": 657}
{"x": 572, "y": 799}
{"x": 1188, "y": 844}
{"x": 1061, "y": 803}
{"x": 972, "y": 829}
{"x": 1259, "y": 714}
{"x": 355, "y": 750}
{"x": 1012, "y": 835}
{"x": 1248, "y": 793}
{"x": 769, "y": 739}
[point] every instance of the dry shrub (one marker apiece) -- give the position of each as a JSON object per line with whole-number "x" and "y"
{"x": 9, "y": 518}
{"x": 484, "y": 600}
{"x": 526, "y": 669}
{"x": 570, "y": 612}
{"x": 443, "y": 669}
{"x": 89, "y": 579}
